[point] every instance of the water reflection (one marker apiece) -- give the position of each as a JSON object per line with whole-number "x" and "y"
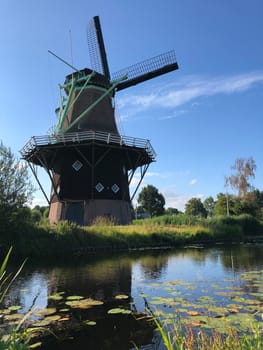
{"x": 103, "y": 278}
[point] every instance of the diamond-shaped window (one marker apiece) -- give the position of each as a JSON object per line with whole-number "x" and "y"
{"x": 115, "y": 188}
{"x": 99, "y": 187}
{"x": 77, "y": 165}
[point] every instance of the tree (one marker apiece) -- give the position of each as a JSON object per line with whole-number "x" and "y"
{"x": 15, "y": 188}
{"x": 151, "y": 200}
{"x": 209, "y": 205}
{"x": 194, "y": 207}
{"x": 224, "y": 204}
{"x": 172, "y": 211}
{"x": 245, "y": 169}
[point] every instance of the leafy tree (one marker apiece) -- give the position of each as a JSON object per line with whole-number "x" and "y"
{"x": 221, "y": 204}
{"x": 151, "y": 200}
{"x": 244, "y": 170}
{"x": 15, "y": 187}
{"x": 209, "y": 205}
{"x": 194, "y": 207}
{"x": 172, "y": 211}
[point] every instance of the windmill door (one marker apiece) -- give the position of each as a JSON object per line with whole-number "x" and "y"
{"x": 75, "y": 213}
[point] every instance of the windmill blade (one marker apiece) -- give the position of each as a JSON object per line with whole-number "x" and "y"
{"x": 146, "y": 70}
{"x": 97, "y": 51}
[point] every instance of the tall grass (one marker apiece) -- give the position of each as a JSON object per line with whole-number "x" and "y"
{"x": 177, "y": 337}
{"x": 15, "y": 340}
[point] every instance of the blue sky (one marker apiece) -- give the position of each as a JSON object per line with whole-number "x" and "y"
{"x": 199, "y": 118}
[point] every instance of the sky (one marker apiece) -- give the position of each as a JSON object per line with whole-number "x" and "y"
{"x": 199, "y": 119}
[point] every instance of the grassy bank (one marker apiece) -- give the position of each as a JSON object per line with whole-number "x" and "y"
{"x": 67, "y": 238}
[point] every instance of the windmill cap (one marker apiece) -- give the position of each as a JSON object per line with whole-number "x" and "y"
{"x": 82, "y": 75}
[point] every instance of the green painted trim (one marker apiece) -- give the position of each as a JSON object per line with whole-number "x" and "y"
{"x": 95, "y": 87}
{"x": 65, "y": 109}
{"x": 94, "y": 104}
{"x": 82, "y": 88}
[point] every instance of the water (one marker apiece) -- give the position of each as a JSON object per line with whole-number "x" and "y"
{"x": 138, "y": 278}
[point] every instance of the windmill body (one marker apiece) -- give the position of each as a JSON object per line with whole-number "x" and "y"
{"x": 89, "y": 163}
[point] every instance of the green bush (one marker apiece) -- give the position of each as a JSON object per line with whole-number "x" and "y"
{"x": 250, "y": 225}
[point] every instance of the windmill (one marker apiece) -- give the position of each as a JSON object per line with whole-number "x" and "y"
{"x": 90, "y": 165}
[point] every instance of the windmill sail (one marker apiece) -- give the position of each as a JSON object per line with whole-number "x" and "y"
{"x": 146, "y": 70}
{"x": 98, "y": 58}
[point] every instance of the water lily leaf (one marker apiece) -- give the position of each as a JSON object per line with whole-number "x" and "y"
{"x": 46, "y": 312}
{"x": 14, "y": 307}
{"x": 47, "y": 321}
{"x": 206, "y": 299}
{"x": 193, "y": 313}
{"x": 119, "y": 311}
{"x": 14, "y": 317}
{"x": 75, "y": 297}
{"x": 142, "y": 295}
{"x": 233, "y": 310}
{"x": 257, "y": 295}
{"x": 121, "y": 296}
{"x": 35, "y": 345}
{"x": 90, "y": 323}
{"x": 238, "y": 299}
{"x": 84, "y": 303}
{"x": 65, "y": 318}
{"x": 241, "y": 321}
{"x": 5, "y": 312}
{"x": 64, "y": 310}
{"x": 57, "y": 296}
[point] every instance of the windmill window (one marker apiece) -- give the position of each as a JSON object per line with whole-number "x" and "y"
{"x": 77, "y": 165}
{"x": 115, "y": 188}
{"x": 99, "y": 187}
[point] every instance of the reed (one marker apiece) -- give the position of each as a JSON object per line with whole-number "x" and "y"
{"x": 175, "y": 336}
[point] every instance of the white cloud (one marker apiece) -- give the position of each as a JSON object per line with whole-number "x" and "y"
{"x": 192, "y": 182}
{"x": 190, "y": 89}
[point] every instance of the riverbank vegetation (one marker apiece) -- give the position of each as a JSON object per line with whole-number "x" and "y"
{"x": 41, "y": 239}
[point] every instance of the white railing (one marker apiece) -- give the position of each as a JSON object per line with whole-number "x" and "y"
{"x": 82, "y": 136}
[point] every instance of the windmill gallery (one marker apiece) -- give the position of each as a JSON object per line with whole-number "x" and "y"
{"x": 90, "y": 165}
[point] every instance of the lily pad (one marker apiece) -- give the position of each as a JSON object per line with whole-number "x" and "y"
{"x": 121, "y": 296}
{"x": 46, "y": 312}
{"x": 47, "y": 321}
{"x": 13, "y": 317}
{"x": 84, "y": 303}
{"x": 119, "y": 311}
{"x": 35, "y": 345}
{"x": 90, "y": 323}
{"x": 75, "y": 297}
{"x": 56, "y": 297}
{"x": 14, "y": 307}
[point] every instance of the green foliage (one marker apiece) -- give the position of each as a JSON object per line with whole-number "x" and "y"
{"x": 14, "y": 341}
{"x": 176, "y": 220}
{"x": 172, "y": 211}
{"x": 209, "y": 205}
{"x": 194, "y": 207}
{"x": 151, "y": 201}
{"x": 15, "y": 187}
